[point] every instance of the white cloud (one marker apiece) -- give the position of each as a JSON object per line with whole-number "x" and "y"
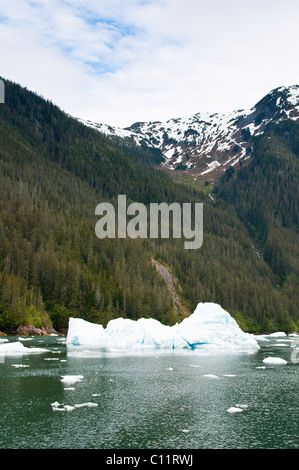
{"x": 119, "y": 61}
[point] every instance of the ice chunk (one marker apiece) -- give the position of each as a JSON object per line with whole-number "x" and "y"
{"x": 88, "y": 404}
{"x": 278, "y": 334}
{"x": 274, "y": 360}
{"x": 211, "y": 376}
{"x": 55, "y": 404}
{"x": 19, "y": 365}
{"x": 210, "y": 326}
{"x": 16, "y": 348}
{"x": 71, "y": 379}
{"x": 234, "y": 409}
{"x": 69, "y": 407}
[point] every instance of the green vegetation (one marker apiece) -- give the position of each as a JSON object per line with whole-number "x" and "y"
{"x": 53, "y": 173}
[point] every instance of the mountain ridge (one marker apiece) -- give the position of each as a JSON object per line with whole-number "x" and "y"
{"x": 204, "y": 145}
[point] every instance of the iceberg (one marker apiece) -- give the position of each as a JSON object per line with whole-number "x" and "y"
{"x": 209, "y": 326}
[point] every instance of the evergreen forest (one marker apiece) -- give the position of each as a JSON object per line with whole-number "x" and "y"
{"x": 54, "y": 171}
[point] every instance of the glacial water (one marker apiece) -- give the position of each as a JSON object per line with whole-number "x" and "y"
{"x": 150, "y": 400}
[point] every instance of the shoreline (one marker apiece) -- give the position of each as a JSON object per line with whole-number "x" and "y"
{"x": 29, "y": 330}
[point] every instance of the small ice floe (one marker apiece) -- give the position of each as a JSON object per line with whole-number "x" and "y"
{"x": 88, "y": 404}
{"x": 62, "y": 360}
{"x": 51, "y": 359}
{"x": 56, "y": 406}
{"x": 278, "y": 334}
{"x": 96, "y": 395}
{"x": 211, "y": 376}
{"x": 235, "y": 409}
{"x": 24, "y": 339}
{"x": 229, "y": 375}
{"x": 186, "y": 430}
{"x": 69, "y": 407}
{"x": 242, "y": 406}
{"x": 169, "y": 368}
{"x": 3, "y": 340}
{"x": 56, "y": 403}
{"x": 261, "y": 367}
{"x": 69, "y": 388}
{"x": 194, "y": 365}
{"x": 19, "y": 365}
{"x": 16, "y": 348}
{"x": 274, "y": 360}
{"x": 70, "y": 379}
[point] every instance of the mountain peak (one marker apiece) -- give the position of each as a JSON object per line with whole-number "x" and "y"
{"x": 205, "y": 144}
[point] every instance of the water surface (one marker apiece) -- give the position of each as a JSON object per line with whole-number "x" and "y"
{"x": 156, "y": 400}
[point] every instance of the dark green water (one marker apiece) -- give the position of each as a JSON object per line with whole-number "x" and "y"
{"x": 143, "y": 404}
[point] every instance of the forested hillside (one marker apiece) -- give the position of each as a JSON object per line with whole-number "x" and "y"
{"x": 265, "y": 194}
{"x": 53, "y": 173}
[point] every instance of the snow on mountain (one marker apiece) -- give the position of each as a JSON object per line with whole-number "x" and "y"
{"x": 206, "y": 144}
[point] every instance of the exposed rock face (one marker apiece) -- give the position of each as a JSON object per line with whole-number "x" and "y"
{"x": 30, "y": 330}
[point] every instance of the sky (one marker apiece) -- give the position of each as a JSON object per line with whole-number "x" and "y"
{"x": 122, "y": 61}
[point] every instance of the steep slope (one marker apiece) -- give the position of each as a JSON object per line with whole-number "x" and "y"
{"x": 265, "y": 194}
{"x": 205, "y": 145}
{"x": 53, "y": 173}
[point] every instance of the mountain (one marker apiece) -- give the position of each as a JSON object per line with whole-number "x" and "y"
{"x": 54, "y": 171}
{"x": 205, "y": 145}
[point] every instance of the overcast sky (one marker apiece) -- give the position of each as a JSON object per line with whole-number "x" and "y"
{"x": 122, "y": 61}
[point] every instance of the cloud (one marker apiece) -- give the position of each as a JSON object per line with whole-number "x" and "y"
{"x": 121, "y": 61}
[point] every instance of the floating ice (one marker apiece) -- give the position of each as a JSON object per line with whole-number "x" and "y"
{"x": 16, "y": 349}
{"x": 71, "y": 379}
{"x": 234, "y": 409}
{"x": 210, "y": 326}
{"x": 211, "y": 376}
{"x": 19, "y": 365}
{"x": 274, "y": 360}
{"x": 88, "y": 404}
{"x": 277, "y": 334}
